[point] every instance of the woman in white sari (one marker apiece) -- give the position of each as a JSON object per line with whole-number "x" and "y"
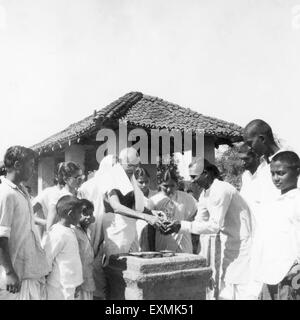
{"x": 177, "y": 205}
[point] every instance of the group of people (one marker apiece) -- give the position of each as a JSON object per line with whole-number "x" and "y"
{"x": 57, "y": 245}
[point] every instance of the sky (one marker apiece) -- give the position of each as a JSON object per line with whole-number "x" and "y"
{"x": 236, "y": 60}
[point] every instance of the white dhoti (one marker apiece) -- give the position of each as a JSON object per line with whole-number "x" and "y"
{"x": 31, "y": 289}
{"x": 120, "y": 235}
{"x": 235, "y": 292}
{"x": 60, "y": 293}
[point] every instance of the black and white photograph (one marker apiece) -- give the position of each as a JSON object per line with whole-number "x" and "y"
{"x": 149, "y": 152}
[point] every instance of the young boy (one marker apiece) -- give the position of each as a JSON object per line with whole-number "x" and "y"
{"x": 62, "y": 251}
{"x": 85, "y": 291}
{"x": 279, "y": 251}
{"x": 23, "y": 262}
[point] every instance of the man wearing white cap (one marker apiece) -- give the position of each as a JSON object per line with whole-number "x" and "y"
{"x": 222, "y": 211}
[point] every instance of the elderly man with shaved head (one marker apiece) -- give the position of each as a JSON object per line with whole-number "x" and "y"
{"x": 124, "y": 205}
{"x": 258, "y": 135}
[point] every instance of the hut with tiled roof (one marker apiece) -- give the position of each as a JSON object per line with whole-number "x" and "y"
{"x": 80, "y": 141}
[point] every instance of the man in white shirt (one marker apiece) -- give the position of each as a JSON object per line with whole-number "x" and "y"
{"x": 259, "y": 137}
{"x": 250, "y": 162}
{"x": 23, "y": 263}
{"x": 224, "y": 212}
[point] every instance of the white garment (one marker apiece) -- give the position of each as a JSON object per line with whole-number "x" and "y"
{"x": 61, "y": 246}
{"x": 222, "y": 209}
{"x": 31, "y": 289}
{"x": 60, "y": 293}
{"x": 279, "y": 237}
{"x": 265, "y": 189}
{"x": 120, "y": 233}
{"x": 249, "y": 189}
{"x": 63, "y": 192}
{"x": 235, "y": 292}
{"x": 260, "y": 190}
{"x": 53, "y": 202}
{"x": 181, "y": 206}
{"x": 46, "y": 197}
{"x": 17, "y": 224}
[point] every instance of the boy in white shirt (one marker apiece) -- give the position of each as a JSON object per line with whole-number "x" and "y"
{"x": 86, "y": 251}
{"x": 279, "y": 251}
{"x": 62, "y": 251}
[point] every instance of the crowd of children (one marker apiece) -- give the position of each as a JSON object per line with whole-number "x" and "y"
{"x": 57, "y": 245}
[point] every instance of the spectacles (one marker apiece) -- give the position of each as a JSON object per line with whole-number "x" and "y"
{"x": 79, "y": 177}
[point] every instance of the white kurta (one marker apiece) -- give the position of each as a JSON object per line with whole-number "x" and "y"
{"x": 222, "y": 209}
{"x": 62, "y": 250}
{"x": 26, "y": 254}
{"x": 279, "y": 238}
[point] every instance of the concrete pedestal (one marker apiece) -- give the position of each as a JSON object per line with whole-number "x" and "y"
{"x": 181, "y": 277}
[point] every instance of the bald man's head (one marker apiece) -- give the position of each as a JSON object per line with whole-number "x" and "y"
{"x": 129, "y": 160}
{"x": 129, "y": 155}
{"x": 259, "y": 136}
{"x": 258, "y": 127}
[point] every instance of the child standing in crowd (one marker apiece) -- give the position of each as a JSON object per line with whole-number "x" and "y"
{"x": 23, "y": 263}
{"x": 279, "y": 233}
{"x": 86, "y": 251}
{"x": 62, "y": 251}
